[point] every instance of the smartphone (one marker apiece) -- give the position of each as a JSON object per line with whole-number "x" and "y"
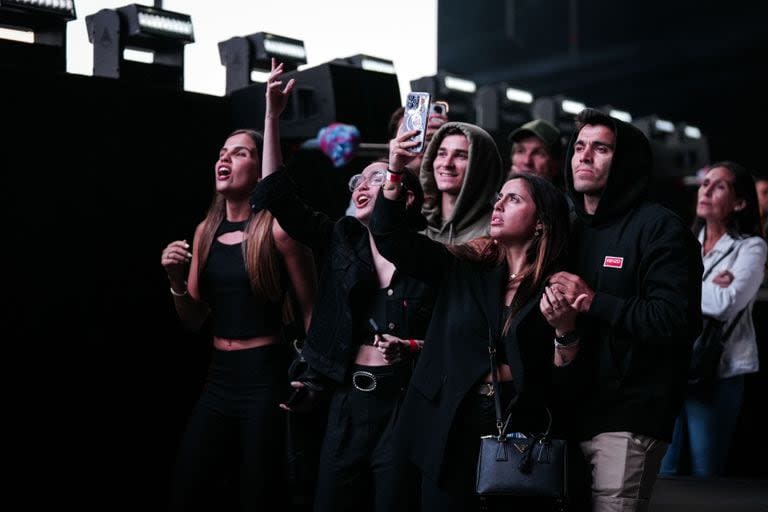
{"x": 416, "y": 116}
{"x": 440, "y": 108}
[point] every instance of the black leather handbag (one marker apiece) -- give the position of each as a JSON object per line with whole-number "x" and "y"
{"x": 517, "y": 464}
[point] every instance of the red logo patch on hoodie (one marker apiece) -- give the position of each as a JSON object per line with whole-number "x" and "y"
{"x": 613, "y": 262}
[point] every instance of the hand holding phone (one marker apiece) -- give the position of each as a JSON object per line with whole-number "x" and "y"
{"x": 415, "y": 117}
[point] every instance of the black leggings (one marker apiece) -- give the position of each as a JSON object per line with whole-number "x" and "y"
{"x": 234, "y": 440}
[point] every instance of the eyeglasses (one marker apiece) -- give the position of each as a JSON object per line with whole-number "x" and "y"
{"x": 374, "y": 179}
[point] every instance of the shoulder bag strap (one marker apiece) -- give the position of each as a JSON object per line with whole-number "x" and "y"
{"x": 727, "y": 332}
{"x": 721, "y": 258}
{"x": 501, "y": 424}
{"x": 495, "y": 383}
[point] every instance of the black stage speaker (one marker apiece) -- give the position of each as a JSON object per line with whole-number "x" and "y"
{"x": 330, "y": 92}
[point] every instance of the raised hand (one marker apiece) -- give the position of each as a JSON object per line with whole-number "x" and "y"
{"x": 277, "y": 95}
{"x": 399, "y": 156}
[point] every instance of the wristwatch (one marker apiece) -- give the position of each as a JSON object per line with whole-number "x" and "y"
{"x": 567, "y": 339}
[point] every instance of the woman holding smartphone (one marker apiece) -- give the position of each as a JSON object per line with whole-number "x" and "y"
{"x": 491, "y": 289}
{"x": 367, "y": 327}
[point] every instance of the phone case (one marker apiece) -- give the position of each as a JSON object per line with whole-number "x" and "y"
{"x": 416, "y": 116}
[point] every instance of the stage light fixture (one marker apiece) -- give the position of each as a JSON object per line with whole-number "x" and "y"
{"x": 694, "y": 146}
{"x": 572, "y": 107}
{"x": 34, "y": 34}
{"x": 558, "y": 110}
{"x": 501, "y": 108}
{"x": 370, "y": 63}
{"x": 241, "y": 55}
{"x": 691, "y": 132}
{"x": 677, "y": 150}
{"x": 518, "y": 95}
{"x": 157, "y": 32}
{"x": 663, "y": 126}
{"x": 457, "y": 91}
{"x": 621, "y": 115}
{"x": 62, "y": 8}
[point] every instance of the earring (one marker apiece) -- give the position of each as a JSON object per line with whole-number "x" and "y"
{"x": 538, "y": 232}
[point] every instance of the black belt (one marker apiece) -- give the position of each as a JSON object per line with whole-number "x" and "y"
{"x": 370, "y": 378}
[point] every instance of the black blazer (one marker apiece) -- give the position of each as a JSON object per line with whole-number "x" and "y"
{"x": 455, "y": 355}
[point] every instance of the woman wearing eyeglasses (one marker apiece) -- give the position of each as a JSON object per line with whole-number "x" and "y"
{"x": 367, "y": 326}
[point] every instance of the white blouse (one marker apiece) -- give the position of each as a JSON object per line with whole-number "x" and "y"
{"x": 747, "y": 264}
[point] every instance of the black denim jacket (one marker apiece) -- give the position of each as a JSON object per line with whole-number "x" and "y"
{"x": 346, "y": 265}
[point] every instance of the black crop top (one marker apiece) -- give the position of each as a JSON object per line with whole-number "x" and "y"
{"x": 236, "y": 312}
{"x": 501, "y": 353}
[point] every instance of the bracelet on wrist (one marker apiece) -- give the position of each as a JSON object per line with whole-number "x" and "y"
{"x": 394, "y": 177}
{"x": 179, "y": 294}
{"x": 567, "y": 339}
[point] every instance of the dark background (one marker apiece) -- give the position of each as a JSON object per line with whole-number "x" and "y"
{"x": 684, "y": 60}
{"x": 99, "y": 175}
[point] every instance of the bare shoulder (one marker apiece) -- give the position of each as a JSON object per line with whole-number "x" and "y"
{"x": 282, "y": 239}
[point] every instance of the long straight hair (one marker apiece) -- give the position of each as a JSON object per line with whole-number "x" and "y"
{"x": 262, "y": 260}
{"x": 547, "y": 250}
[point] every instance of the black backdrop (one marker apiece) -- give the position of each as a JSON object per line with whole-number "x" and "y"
{"x": 98, "y": 176}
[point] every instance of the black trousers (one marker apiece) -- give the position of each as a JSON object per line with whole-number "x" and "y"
{"x": 358, "y": 467}
{"x": 231, "y": 456}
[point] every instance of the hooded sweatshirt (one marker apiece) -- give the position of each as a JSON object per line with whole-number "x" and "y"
{"x": 482, "y": 180}
{"x": 645, "y": 267}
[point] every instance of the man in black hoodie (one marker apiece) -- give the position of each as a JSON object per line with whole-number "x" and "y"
{"x": 635, "y": 277}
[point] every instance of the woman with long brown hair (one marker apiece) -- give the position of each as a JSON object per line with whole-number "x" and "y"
{"x": 492, "y": 289}
{"x": 237, "y": 272}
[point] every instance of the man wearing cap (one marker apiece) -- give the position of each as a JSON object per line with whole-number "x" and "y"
{"x": 537, "y": 149}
